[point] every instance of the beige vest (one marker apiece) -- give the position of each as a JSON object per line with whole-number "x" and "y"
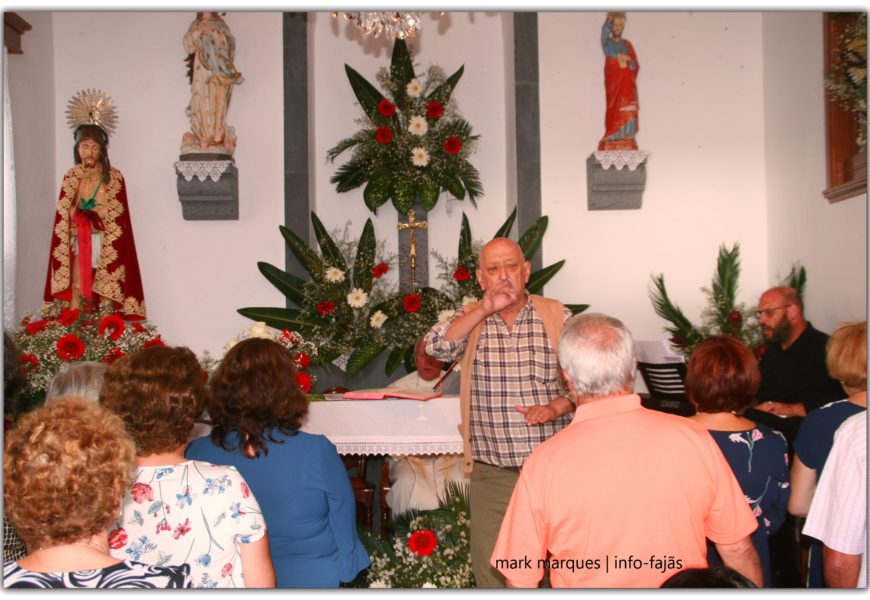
{"x": 551, "y": 312}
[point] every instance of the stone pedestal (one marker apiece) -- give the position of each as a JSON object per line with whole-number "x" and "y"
{"x": 208, "y": 189}
{"x": 615, "y": 180}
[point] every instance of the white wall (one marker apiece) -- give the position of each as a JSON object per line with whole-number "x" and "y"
{"x": 829, "y": 239}
{"x": 734, "y": 150}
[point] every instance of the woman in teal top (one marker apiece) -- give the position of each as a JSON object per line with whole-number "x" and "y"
{"x": 298, "y": 478}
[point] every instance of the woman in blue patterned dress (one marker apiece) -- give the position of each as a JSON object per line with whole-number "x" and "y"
{"x": 65, "y": 468}
{"x": 847, "y": 362}
{"x": 256, "y": 408}
{"x": 721, "y": 381}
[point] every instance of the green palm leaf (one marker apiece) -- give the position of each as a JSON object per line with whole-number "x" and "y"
{"x": 680, "y": 325}
{"x": 576, "y": 309}
{"x": 725, "y": 279}
{"x": 539, "y": 278}
{"x": 442, "y": 92}
{"x": 452, "y": 184}
{"x": 505, "y": 229}
{"x": 328, "y": 248}
{"x": 365, "y": 258}
{"x": 279, "y": 318}
{"x": 531, "y": 239}
{"x": 367, "y": 94}
{"x": 397, "y": 357}
{"x": 364, "y": 355}
{"x": 305, "y": 255}
{"x": 401, "y": 72}
{"x": 347, "y": 143}
{"x": 471, "y": 180}
{"x": 349, "y": 176}
{"x": 465, "y": 246}
{"x": 287, "y": 284}
{"x": 379, "y": 189}
{"x": 797, "y": 279}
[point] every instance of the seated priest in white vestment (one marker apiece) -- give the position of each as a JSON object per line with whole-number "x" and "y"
{"x": 417, "y": 481}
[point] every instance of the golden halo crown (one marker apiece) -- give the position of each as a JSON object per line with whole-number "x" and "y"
{"x": 92, "y": 107}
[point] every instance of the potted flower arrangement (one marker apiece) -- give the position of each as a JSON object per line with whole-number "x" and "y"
{"x": 63, "y": 335}
{"x": 413, "y": 142}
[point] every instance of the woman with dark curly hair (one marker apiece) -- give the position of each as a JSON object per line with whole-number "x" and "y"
{"x": 65, "y": 469}
{"x": 256, "y": 408}
{"x": 180, "y": 510}
{"x": 722, "y": 379}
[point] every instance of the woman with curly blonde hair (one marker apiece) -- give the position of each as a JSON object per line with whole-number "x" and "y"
{"x": 180, "y": 510}
{"x": 256, "y": 408}
{"x": 65, "y": 469}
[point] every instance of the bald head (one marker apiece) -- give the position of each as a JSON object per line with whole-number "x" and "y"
{"x": 502, "y": 263}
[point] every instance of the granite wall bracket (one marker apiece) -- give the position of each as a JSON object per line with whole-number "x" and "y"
{"x": 208, "y": 189}
{"x": 615, "y": 180}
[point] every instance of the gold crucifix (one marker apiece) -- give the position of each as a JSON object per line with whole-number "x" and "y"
{"x": 413, "y": 226}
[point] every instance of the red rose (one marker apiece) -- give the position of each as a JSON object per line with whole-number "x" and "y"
{"x": 422, "y": 542}
{"x": 452, "y": 145}
{"x": 461, "y": 274}
{"x": 325, "y": 308}
{"x": 142, "y": 492}
{"x": 434, "y": 110}
{"x": 302, "y": 360}
{"x": 28, "y": 363}
{"x": 68, "y": 316}
{"x": 386, "y": 108}
{"x": 70, "y": 347}
{"x": 157, "y": 341}
{"x": 35, "y": 327}
{"x": 117, "y": 538}
{"x": 411, "y": 302}
{"x": 384, "y": 135}
{"x": 304, "y": 381}
{"x": 182, "y": 529}
{"x": 114, "y": 324}
{"x": 112, "y": 355}
{"x": 379, "y": 270}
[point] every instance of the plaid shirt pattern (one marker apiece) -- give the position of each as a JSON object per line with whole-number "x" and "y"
{"x": 509, "y": 368}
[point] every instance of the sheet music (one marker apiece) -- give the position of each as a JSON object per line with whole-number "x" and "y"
{"x": 657, "y": 352}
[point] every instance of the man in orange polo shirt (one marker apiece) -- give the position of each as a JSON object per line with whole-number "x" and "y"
{"x": 623, "y": 496}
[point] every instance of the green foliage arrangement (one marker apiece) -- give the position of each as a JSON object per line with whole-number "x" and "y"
{"x": 723, "y": 315}
{"x": 847, "y": 78}
{"x": 413, "y": 143}
{"x": 346, "y": 310}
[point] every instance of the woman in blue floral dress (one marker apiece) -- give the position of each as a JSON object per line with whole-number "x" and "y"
{"x": 721, "y": 381}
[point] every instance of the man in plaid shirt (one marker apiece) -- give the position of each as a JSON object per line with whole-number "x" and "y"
{"x": 512, "y": 395}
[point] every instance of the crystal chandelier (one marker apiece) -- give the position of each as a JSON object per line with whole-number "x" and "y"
{"x": 399, "y": 25}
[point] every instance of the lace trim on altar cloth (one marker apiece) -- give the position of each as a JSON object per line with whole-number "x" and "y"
{"x": 620, "y": 158}
{"x": 398, "y": 447}
{"x": 201, "y": 169}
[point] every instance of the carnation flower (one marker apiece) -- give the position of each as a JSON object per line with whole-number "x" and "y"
{"x": 334, "y": 275}
{"x": 157, "y": 341}
{"x": 466, "y": 300}
{"x": 411, "y": 302}
{"x": 434, "y": 110}
{"x": 446, "y": 315}
{"x": 357, "y": 298}
{"x": 384, "y": 135}
{"x": 325, "y": 308}
{"x": 422, "y": 542}
{"x": 379, "y": 270}
{"x": 386, "y": 108}
{"x": 302, "y": 360}
{"x": 35, "y": 327}
{"x": 413, "y": 89}
{"x": 112, "y": 355}
{"x": 114, "y": 324}
{"x": 452, "y": 145}
{"x": 70, "y": 347}
{"x": 419, "y": 157}
{"x": 461, "y": 274}
{"x": 68, "y": 316}
{"x": 304, "y": 381}
{"x": 417, "y": 125}
{"x": 378, "y": 319}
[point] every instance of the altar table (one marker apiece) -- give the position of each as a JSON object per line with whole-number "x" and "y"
{"x": 390, "y": 426}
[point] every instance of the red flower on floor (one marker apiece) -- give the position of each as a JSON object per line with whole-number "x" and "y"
{"x": 117, "y": 538}
{"x": 304, "y": 381}
{"x": 379, "y": 270}
{"x": 157, "y": 341}
{"x": 114, "y": 324}
{"x": 452, "y": 145}
{"x": 411, "y": 303}
{"x": 70, "y": 347}
{"x": 142, "y": 492}
{"x": 35, "y": 327}
{"x": 68, "y": 316}
{"x": 302, "y": 360}
{"x": 461, "y": 274}
{"x": 423, "y": 542}
{"x": 28, "y": 363}
{"x": 434, "y": 110}
{"x": 325, "y": 308}
{"x": 384, "y": 135}
{"x": 112, "y": 355}
{"x": 386, "y": 108}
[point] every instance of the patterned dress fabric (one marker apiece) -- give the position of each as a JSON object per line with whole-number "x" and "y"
{"x": 126, "y": 574}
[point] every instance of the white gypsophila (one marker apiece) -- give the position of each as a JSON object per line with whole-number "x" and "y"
{"x": 378, "y": 584}
{"x": 419, "y": 157}
{"x": 466, "y": 300}
{"x": 378, "y": 319}
{"x": 260, "y": 330}
{"x": 357, "y": 298}
{"x": 414, "y": 89}
{"x": 334, "y": 275}
{"x": 417, "y": 125}
{"x": 445, "y": 315}
{"x": 428, "y": 585}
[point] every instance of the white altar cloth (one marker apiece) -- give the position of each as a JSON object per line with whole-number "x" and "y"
{"x": 390, "y": 426}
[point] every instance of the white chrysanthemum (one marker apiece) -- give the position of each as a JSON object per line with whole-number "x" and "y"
{"x": 417, "y": 125}
{"x": 357, "y": 298}
{"x": 378, "y": 319}
{"x": 419, "y": 157}
{"x": 334, "y": 275}
{"x": 445, "y": 315}
{"x": 468, "y": 300}
{"x": 259, "y": 330}
{"x": 428, "y": 585}
{"x": 414, "y": 89}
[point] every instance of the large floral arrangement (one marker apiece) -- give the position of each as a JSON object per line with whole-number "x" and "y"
{"x": 723, "y": 314}
{"x": 413, "y": 143}
{"x": 63, "y": 335}
{"x": 428, "y": 549}
{"x": 352, "y": 317}
{"x": 847, "y": 78}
